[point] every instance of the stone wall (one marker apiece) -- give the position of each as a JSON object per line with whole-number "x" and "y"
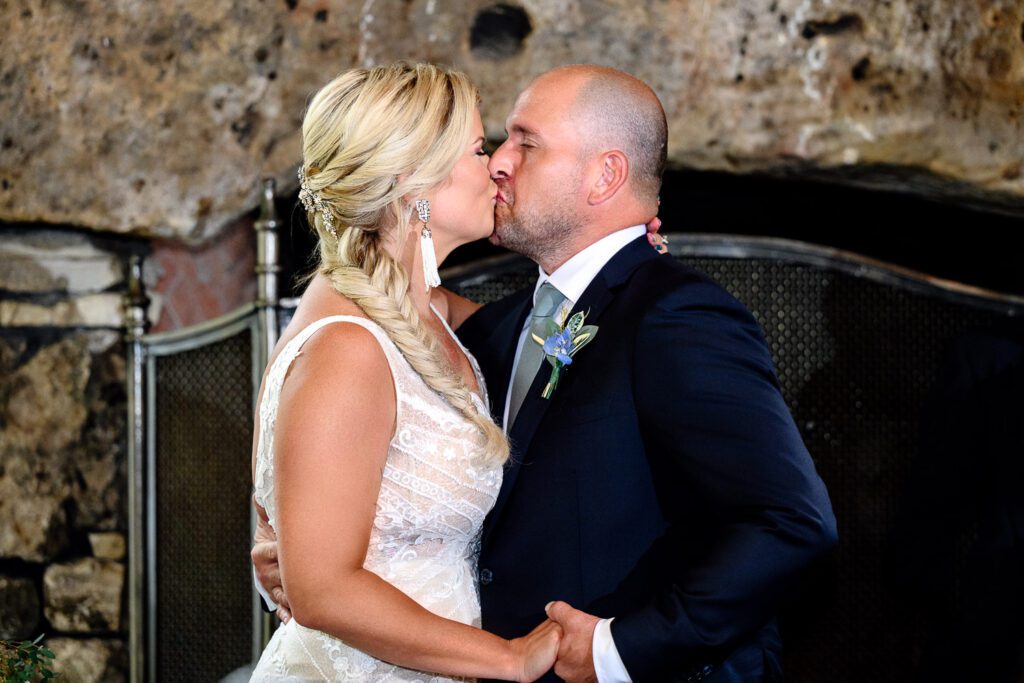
{"x": 62, "y": 490}
{"x": 63, "y": 431}
{"x": 62, "y": 448}
{"x": 159, "y": 118}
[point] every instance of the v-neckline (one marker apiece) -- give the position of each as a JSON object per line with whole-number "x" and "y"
{"x": 478, "y": 395}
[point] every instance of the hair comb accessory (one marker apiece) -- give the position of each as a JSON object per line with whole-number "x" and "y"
{"x": 314, "y": 203}
{"x": 427, "y": 253}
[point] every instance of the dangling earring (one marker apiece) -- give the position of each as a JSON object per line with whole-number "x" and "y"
{"x": 427, "y": 253}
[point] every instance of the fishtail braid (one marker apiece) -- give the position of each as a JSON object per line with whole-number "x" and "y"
{"x": 379, "y": 287}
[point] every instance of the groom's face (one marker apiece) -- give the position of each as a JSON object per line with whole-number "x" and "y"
{"x": 538, "y": 170}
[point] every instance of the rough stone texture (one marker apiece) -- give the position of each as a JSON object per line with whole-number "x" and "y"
{"x": 62, "y": 441}
{"x": 98, "y": 459}
{"x": 159, "y": 118}
{"x": 43, "y": 413}
{"x": 43, "y": 400}
{"x": 87, "y": 311}
{"x": 46, "y": 261}
{"x": 84, "y": 596}
{"x": 62, "y": 436}
{"x": 107, "y": 545}
{"x": 63, "y": 278}
{"x": 89, "y": 660}
{"x": 35, "y": 524}
{"x": 19, "y": 608}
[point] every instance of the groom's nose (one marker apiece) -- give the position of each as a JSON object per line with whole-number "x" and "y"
{"x": 500, "y": 165}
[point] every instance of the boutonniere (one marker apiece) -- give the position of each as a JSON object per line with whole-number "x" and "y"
{"x": 561, "y": 343}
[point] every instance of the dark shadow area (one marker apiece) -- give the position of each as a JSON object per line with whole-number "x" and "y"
{"x": 944, "y": 240}
{"x": 958, "y": 547}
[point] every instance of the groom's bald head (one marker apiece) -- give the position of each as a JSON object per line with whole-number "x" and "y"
{"x": 613, "y": 110}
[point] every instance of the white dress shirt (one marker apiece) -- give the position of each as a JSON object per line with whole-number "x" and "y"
{"x": 572, "y": 278}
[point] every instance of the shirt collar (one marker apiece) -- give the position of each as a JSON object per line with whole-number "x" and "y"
{"x": 574, "y": 276}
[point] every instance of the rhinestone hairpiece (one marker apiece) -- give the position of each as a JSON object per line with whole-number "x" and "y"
{"x": 314, "y": 203}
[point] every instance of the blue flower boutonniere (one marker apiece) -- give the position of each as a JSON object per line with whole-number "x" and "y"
{"x": 561, "y": 343}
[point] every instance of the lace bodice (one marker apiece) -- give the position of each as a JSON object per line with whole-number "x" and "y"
{"x": 433, "y": 498}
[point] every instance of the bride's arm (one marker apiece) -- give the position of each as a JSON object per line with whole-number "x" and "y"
{"x": 335, "y": 420}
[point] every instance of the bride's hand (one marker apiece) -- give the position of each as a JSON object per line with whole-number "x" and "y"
{"x": 537, "y": 650}
{"x": 657, "y": 240}
{"x": 264, "y": 559}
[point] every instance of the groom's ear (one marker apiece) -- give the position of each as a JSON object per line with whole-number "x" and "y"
{"x": 613, "y": 172}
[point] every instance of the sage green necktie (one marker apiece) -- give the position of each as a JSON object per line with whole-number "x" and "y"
{"x": 548, "y": 300}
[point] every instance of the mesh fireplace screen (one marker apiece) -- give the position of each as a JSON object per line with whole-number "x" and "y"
{"x": 203, "y": 435}
{"x": 857, "y": 359}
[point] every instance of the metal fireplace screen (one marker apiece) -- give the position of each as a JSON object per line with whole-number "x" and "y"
{"x": 857, "y": 348}
{"x": 200, "y": 530}
{"x": 857, "y": 360}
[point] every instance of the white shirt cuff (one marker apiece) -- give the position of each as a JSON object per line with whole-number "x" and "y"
{"x": 263, "y": 592}
{"x": 607, "y": 662}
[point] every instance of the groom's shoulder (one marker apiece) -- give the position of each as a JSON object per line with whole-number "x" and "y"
{"x": 492, "y": 314}
{"x": 668, "y": 278}
{"x": 670, "y": 293}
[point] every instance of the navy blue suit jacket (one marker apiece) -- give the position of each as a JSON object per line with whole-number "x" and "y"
{"x": 664, "y": 483}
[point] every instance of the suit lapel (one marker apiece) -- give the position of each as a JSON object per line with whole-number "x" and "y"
{"x": 594, "y": 300}
{"x": 507, "y": 336}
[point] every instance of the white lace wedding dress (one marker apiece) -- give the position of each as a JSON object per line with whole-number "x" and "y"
{"x": 425, "y": 536}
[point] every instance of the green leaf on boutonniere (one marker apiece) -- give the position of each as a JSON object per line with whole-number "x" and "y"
{"x": 561, "y": 343}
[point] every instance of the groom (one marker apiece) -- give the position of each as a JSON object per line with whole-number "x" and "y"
{"x": 663, "y": 485}
{"x": 662, "y": 494}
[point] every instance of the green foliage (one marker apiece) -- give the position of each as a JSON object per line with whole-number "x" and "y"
{"x": 25, "y": 662}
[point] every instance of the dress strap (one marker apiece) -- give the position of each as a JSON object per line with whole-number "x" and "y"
{"x": 294, "y": 346}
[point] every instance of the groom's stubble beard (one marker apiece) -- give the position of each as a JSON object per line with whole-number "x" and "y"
{"x": 540, "y": 239}
{"x": 543, "y": 238}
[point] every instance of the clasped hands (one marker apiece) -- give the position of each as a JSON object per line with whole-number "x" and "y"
{"x": 575, "y": 661}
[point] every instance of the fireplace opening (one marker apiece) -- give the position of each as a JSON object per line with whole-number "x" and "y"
{"x": 946, "y": 240}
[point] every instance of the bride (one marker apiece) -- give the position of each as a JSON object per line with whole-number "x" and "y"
{"x": 375, "y": 459}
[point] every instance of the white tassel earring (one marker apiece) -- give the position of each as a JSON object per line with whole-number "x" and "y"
{"x": 427, "y": 253}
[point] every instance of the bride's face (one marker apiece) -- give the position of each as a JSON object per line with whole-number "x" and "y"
{"x": 463, "y": 208}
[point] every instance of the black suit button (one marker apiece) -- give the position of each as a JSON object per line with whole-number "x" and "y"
{"x": 486, "y": 577}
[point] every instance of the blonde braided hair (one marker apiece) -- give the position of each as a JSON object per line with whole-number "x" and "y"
{"x": 371, "y": 137}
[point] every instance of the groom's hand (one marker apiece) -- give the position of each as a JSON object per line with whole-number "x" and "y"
{"x": 264, "y": 559}
{"x": 576, "y": 651}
